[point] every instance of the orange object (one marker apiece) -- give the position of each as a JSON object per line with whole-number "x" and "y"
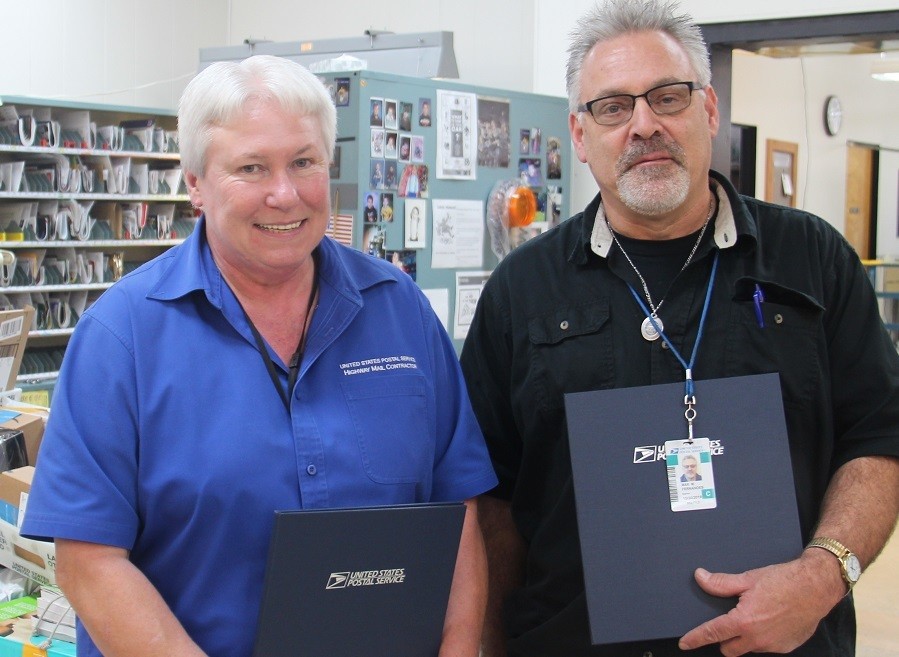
{"x": 521, "y": 205}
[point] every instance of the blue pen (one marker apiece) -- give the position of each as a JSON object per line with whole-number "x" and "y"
{"x": 758, "y": 298}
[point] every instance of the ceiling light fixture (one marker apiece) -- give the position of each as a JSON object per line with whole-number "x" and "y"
{"x": 885, "y": 69}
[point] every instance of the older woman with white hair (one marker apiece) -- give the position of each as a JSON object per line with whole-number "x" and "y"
{"x": 222, "y": 381}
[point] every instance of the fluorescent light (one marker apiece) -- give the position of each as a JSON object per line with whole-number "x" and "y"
{"x": 885, "y": 69}
{"x": 418, "y": 54}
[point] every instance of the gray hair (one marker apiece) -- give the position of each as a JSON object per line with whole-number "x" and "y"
{"x": 221, "y": 91}
{"x": 614, "y": 18}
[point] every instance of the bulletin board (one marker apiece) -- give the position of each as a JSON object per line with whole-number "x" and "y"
{"x": 429, "y": 154}
{"x": 780, "y": 172}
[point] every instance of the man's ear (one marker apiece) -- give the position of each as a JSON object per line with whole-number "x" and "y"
{"x": 711, "y": 108}
{"x": 577, "y": 136}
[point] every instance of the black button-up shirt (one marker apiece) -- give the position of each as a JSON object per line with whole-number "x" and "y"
{"x": 557, "y": 316}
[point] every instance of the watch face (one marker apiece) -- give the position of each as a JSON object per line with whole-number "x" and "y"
{"x": 853, "y": 568}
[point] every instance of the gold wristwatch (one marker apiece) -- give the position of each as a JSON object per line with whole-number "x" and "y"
{"x": 850, "y": 567}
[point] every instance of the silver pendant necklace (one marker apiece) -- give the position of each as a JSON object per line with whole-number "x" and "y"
{"x": 652, "y": 326}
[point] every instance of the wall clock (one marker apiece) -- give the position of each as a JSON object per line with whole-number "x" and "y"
{"x": 833, "y": 115}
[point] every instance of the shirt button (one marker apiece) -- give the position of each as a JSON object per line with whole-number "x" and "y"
{"x": 311, "y": 469}
{"x": 664, "y": 346}
{"x": 778, "y": 319}
{"x": 564, "y": 325}
{"x": 647, "y": 654}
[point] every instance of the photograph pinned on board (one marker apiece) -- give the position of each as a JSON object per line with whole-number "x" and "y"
{"x": 424, "y": 112}
{"x": 416, "y": 219}
{"x": 390, "y": 114}
{"x": 403, "y": 260}
{"x": 524, "y": 141}
{"x": 406, "y": 117}
{"x": 370, "y": 210}
{"x": 553, "y": 158}
{"x": 414, "y": 181}
{"x": 418, "y": 148}
{"x": 374, "y": 237}
{"x": 377, "y": 142}
{"x": 387, "y": 206}
{"x": 342, "y": 97}
{"x": 405, "y": 154}
{"x": 390, "y": 149}
{"x": 376, "y": 177}
{"x": 494, "y": 142}
{"x": 376, "y": 112}
{"x": 536, "y": 139}
{"x": 390, "y": 178}
{"x": 530, "y": 171}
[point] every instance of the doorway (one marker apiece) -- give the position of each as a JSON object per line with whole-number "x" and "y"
{"x": 742, "y": 157}
{"x": 860, "y": 228}
{"x": 864, "y": 32}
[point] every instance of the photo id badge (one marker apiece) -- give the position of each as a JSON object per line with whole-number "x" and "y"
{"x": 691, "y": 482}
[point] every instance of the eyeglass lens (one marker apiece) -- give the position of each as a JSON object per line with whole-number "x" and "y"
{"x": 664, "y": 99}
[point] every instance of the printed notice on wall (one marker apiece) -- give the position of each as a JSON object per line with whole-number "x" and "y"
{"x": 457, "y": 133}
{"x": 468, "y": 290}
{"x": 458, "y": 234}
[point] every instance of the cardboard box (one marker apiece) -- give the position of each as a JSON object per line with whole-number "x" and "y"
{"x": 36, "y": 560}
{"x": 15, "y": 482}
{"x": 30, "y": 423}
{"x": 12, "y": 449}
{"x": 14, "y": 328}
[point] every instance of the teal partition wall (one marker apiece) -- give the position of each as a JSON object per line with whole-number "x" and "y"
{"x": 455, "y": 143}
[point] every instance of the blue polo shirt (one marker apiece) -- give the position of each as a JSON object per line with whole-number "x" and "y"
{"x": 167, "y": 437}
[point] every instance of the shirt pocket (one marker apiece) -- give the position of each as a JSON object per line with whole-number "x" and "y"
{"x": 562, "y": 340}
{"x": 789, "y": 342}
{"x": 391, "y": 422}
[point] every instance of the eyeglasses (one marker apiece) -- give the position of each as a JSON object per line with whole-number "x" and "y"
{"x": 664, "y": 99}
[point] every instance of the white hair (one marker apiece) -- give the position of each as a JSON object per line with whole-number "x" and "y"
{"x": 221, "y": 91}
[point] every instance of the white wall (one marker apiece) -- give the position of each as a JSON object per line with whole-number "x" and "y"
{"x": 126, "y": 52}
{"x": 493, "y": 39}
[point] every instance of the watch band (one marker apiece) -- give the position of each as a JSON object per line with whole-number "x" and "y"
{"x": 850, "y": 568}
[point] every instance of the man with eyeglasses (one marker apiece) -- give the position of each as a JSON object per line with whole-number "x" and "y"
{"x": 691, "y": 469}
{"x": 605, "y": 299}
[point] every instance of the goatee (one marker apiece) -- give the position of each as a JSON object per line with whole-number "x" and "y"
{"x": 657, "y": 189}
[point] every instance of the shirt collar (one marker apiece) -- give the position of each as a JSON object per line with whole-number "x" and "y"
{"x": 726, "y": 230}
{"x": 192, "y": 268}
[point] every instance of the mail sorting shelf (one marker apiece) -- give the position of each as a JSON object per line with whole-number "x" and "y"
{"x": 64, "y": 165}
{"x": 47, "y": 344}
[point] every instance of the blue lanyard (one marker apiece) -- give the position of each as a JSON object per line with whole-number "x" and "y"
{"x": 689, "y": 388}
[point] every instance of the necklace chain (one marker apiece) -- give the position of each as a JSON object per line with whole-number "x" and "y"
{"x": 652, "y": 307}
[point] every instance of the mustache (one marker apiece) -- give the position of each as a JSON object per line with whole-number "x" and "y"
{"x": 656, "y": 144}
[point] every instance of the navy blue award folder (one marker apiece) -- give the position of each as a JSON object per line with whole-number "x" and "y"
{"x": 638, "y": 554}
{"x": 366, "y": 581}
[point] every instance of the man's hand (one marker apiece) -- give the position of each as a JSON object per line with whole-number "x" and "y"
{"x": 779, "y": 606}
